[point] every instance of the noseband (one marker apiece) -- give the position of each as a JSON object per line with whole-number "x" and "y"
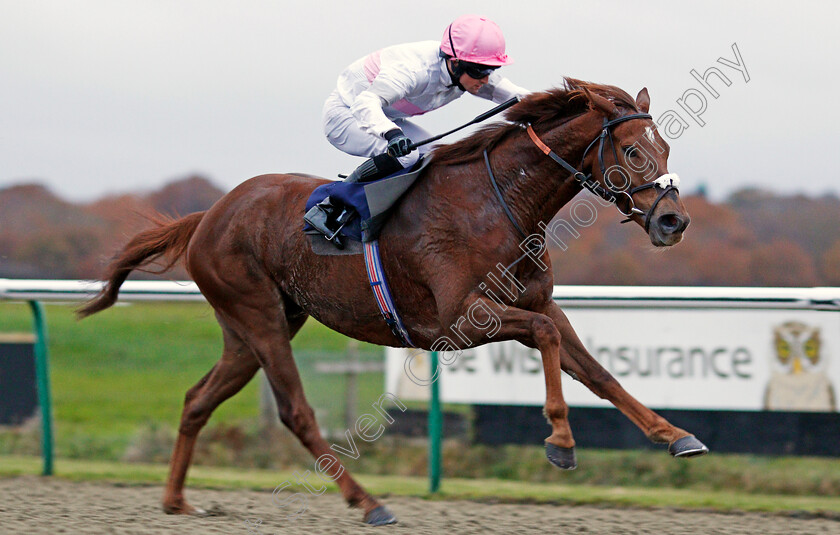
{"x": 668, "y": 182}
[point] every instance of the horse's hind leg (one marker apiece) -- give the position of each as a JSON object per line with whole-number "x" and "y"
{"x": 257, "y": 315}
{"x": 577, "y": 360}
{"x": 233, "y": 371}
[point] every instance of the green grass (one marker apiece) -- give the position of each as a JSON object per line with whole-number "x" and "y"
{"x": 128, "y": 368}
{"x": 119, "y": 377}
{"x": 452, "y": 488}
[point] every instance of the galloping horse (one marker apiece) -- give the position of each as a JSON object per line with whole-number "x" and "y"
{"x": 250, "y": 258}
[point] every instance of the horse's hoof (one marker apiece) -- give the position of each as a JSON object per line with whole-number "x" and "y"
{"x": 380, "y": 516}
{"x": 687, "y": 446}
{"x": 563, "y": 458}
{"x": 184, "y": 509}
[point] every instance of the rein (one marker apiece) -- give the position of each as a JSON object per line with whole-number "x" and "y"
{"x": 522, "y": 233}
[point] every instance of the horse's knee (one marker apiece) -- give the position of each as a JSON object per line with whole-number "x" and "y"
{"x": 545, "y": 331}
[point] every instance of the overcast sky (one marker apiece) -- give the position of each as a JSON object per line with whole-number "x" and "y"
{"x": 107, "y": 96}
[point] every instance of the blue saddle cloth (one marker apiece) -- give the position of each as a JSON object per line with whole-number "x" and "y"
{"x": 371, "y": 200}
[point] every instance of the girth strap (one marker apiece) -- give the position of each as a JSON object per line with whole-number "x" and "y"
{"x": 382, "y": 293}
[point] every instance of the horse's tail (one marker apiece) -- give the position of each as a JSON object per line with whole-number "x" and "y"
{"x": 169, "y": 238}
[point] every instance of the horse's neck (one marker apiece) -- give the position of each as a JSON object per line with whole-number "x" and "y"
{"x": 534, "y": 186}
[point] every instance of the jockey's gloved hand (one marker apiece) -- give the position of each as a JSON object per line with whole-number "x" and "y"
{"x": 398, "y": 143}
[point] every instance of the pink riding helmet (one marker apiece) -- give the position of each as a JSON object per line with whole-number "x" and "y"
{"x": 475, "y": 39}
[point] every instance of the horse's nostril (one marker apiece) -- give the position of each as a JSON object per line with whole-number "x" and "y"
{"x": 671, "y": 223}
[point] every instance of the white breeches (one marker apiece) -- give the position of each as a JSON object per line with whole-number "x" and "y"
{"x": 345, "y": 133}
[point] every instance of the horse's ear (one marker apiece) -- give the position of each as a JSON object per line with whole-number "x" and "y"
{"x": 643, "y": 100}
{"x": 604, "y": 105}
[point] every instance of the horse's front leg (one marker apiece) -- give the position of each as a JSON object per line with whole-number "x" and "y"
{"x": 580, "y": 364}
{"x": 534, "y": 330}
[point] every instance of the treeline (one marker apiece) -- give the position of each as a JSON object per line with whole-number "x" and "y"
{"x": 753, "y": 238}
{"x": 45, "y": 237}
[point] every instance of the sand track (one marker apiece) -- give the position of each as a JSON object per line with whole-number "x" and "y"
{"x": 41, "y": 505}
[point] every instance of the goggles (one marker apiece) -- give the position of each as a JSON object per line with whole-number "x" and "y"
{"x": 476, "y": 70}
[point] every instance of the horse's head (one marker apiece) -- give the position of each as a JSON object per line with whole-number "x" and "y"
{"x": 629, "y": 161}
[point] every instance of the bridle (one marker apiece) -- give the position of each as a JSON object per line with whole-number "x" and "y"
{"x": 668, "y": 182}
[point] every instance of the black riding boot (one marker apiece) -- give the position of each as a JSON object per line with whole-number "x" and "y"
{"x": 375, "y": 168}
{"x": 324, "y": 217}
{"x": 328, "y": 219}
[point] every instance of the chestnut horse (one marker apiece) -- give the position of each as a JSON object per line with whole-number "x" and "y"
{"x": 250, "y": 258}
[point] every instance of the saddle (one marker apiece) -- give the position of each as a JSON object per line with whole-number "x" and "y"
{"x": 360, "y": 209}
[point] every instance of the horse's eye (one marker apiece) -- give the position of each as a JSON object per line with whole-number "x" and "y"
{"x": 631, "y": 151}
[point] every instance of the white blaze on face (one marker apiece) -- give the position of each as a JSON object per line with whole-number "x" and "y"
{"x": 649, "y": 134}
{"x": 670, "y": 179}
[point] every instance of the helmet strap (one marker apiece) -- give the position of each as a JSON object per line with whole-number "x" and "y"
{"x": 454, "y": 73}
{"x": 451, "y": 43}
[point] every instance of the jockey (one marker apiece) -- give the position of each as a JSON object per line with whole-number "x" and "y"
{"x": 366, "y": 115}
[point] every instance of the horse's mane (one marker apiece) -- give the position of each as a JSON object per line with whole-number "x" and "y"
{"x": 537, "y": 109}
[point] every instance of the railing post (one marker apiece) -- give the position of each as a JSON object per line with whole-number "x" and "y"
{"x": 42, "y": 373}
{"x": 351, "y": 392}
{"x": 435, "y": 427}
